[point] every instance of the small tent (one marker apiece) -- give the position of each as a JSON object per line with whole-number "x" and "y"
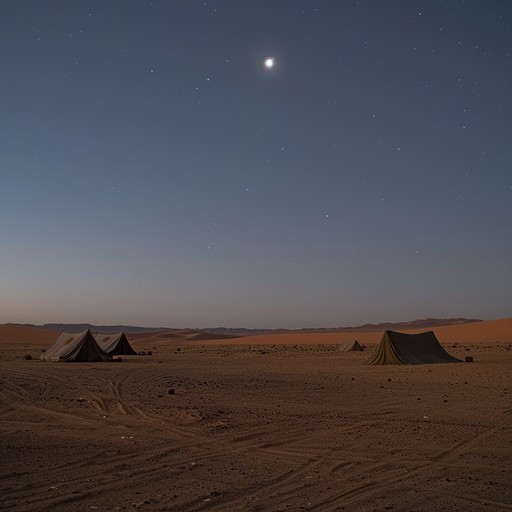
{"x": 351, "y": 346}
{"x": 401, "y": 348}
{"x": 115, "y": 344}
{"x": 71, "y": 346}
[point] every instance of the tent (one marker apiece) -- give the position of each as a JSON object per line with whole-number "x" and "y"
{"x": 351, "y": 346}
{"x": 115, "y": 344}
{"x": 71, "y": 346}
{"x": 401, "y": 348}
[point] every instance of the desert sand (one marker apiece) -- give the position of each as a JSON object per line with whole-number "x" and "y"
{"x": 264, "y": 423}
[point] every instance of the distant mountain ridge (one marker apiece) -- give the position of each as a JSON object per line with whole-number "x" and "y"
{"x": 385, "y": 326}
{"x": 414, "y": 324}
{"x": 105, "y": 329}
{"x": 233, "y": 331}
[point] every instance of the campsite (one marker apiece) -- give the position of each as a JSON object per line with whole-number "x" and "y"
{"x": 263, "y": 423}
{"x": 88, "y": 347}
{"x": 256, "y": 256}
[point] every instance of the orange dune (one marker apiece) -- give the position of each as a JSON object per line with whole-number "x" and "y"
{"x": 12, "y": 333}
{"x": 478, "y": 332}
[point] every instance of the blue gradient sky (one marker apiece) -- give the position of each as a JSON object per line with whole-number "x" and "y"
{"x": 153, "y": 172}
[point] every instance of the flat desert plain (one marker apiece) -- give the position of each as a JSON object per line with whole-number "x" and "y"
{"x": 266, "y": 423}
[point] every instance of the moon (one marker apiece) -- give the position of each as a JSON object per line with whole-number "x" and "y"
{"x": 269, "y": 62}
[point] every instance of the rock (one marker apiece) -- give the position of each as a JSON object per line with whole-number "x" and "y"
{"x": 469, "y": 359}
{"x": 171, "y": 391}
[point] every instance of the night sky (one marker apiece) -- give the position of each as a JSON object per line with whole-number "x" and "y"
{"x": 153, "y": 170}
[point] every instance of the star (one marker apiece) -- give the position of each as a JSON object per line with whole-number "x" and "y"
{"x": 270, "y": 62}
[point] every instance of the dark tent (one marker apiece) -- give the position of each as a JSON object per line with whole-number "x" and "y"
{"x": 76, "y": 347}
{"x": 115, "y": 344}
{"x": 400, "y": 348}
{"x": 351, "y": 346}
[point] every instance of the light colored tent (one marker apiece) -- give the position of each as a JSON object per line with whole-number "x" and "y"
{"x": 71, "y": 346}
{"x": 351, "y": 346}
{"x": 115, "y": 344}
{"x": 401, "y": 348}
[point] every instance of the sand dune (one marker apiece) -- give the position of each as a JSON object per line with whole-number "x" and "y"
{"x": 10, "y": 333}
{"x": 255, "y": 427}
{"x": 499, "y": 331}
{"x": 486, "y": 332}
